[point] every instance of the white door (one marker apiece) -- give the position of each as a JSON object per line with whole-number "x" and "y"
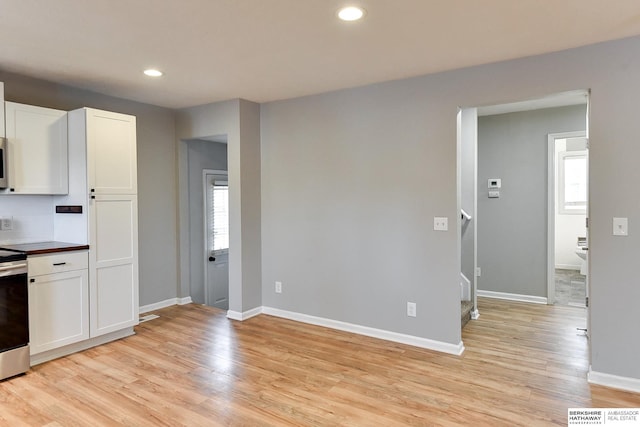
{"x": 216, "y": 189}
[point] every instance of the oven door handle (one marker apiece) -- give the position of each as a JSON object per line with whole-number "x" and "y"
{"x": 12, "y": 269}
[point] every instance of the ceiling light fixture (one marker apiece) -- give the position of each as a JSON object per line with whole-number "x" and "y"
{"x": 351, "y": 13}
{"x": 153, "y": 73}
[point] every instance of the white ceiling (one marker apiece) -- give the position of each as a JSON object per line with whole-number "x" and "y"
{"x": 265, "y": 50}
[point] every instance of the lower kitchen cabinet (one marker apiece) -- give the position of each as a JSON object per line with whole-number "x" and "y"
{"x": 113, "y": 261}
{"x": 58, "y": 300}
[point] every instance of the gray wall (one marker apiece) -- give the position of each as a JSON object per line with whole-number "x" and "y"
{"x": 201, "y": 155}
{"x": 157, "y": 190}
{"x": 512, "y": 229}
{"x": 351, "y": 181}
{"x": 250, "y": 159}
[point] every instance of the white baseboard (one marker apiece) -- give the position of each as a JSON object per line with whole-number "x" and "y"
{"x": 163, "y": 304}
{"x": 614, "y": 381}
{"x": 237, "y": 315}
{"x": 456, "y": 349}
{"x": 512, "y": 297}
{"x": 185, "y": 300}
{"x": 567, "y": 267}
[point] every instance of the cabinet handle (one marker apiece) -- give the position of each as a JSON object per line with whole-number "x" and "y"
{"x": 12, "y": 189}
{"x": 59, "y": 263}
{"x": 93, "y": 190}
{"x": 32, "y": 280}
{"x": 93, "y": 197}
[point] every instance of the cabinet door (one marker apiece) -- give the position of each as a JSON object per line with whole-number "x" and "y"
{"x": 2, "y": 132}
{"x": 111, "y": 152}
{"x": 37, "y": 148}
{"x": 113, "y": 263}
{"x": 58, "y": 310}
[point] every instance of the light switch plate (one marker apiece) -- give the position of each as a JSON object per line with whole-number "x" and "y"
{"x": 440, "y": 223}
{"x": 620, "y": 227}
{"x": 6, "y": 223}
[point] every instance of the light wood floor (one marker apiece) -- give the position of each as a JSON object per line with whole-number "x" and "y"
{"x": 524, "y": 364}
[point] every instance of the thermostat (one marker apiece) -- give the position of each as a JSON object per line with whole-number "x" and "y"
{"x": 494, "y": 183}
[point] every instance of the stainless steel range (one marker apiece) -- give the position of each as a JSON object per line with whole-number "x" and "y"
{"x": 14, "y": 314}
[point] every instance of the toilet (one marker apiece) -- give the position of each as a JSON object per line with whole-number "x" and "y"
{"x": 583, "y": 253}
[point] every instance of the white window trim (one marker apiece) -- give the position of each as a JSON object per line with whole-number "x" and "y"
{"x": 562, "y": 209}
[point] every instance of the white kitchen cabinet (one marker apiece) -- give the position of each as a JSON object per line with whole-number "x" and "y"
{"x": 2, "y": 132}
{"x": 37, "y": 149}
{"x": 58, "y": 300}
{"x": 109, "y": 186}
{"x": 113, "y": 261}
{"x": 111, "y": 152}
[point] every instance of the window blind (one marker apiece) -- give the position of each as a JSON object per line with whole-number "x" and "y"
{"x": 219, "y": 216}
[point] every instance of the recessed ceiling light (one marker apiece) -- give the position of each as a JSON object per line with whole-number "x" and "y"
{"x": 153, "y": 73}
{"x": 351, "y": 13}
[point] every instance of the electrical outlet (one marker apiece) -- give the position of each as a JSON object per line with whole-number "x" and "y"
{"x": 440, "y": 223}
{"x": 6, "y": 223}
{"x": 278, "y": 287}
{"x": 411, "y": 309}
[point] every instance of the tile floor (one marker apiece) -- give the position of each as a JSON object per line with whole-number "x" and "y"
{"x": 465, "y": 312}
{"x": 570, "y": 288}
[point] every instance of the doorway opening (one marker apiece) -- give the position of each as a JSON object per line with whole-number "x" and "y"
{"x": 568, "y": 160}
{"x": 202, "y": 154}
{"x": 506, "y": 248}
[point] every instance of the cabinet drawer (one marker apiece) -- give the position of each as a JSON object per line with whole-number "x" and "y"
{"x": 57, "y": 263}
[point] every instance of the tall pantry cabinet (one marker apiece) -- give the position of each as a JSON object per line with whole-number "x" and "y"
{"x": 108, "y": 189}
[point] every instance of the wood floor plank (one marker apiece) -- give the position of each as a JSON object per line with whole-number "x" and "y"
{"x": 524, "y": 364}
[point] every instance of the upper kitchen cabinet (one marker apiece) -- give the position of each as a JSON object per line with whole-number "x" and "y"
{"x": 37, "y": 149}
{"x": 2, "y": 133}
{"x": 111, "y": 152}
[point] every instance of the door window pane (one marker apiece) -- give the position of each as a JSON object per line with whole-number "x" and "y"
{"x": 219, "y": 216}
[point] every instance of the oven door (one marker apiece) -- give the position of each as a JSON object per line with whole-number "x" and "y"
{"x": 4, "y": 159}
{"x": 14, "y": 305}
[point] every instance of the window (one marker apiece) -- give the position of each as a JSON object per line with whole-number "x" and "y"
{"x": 219, "y": 194}
{"x": 572, "y": 182}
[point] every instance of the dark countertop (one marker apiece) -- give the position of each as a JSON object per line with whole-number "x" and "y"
{"x": 44, "y": 247}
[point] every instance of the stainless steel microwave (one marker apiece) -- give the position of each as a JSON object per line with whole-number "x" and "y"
{"x": 4, "y": 159}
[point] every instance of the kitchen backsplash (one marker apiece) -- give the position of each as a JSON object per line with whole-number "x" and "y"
{"x": 32, "y": 218}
